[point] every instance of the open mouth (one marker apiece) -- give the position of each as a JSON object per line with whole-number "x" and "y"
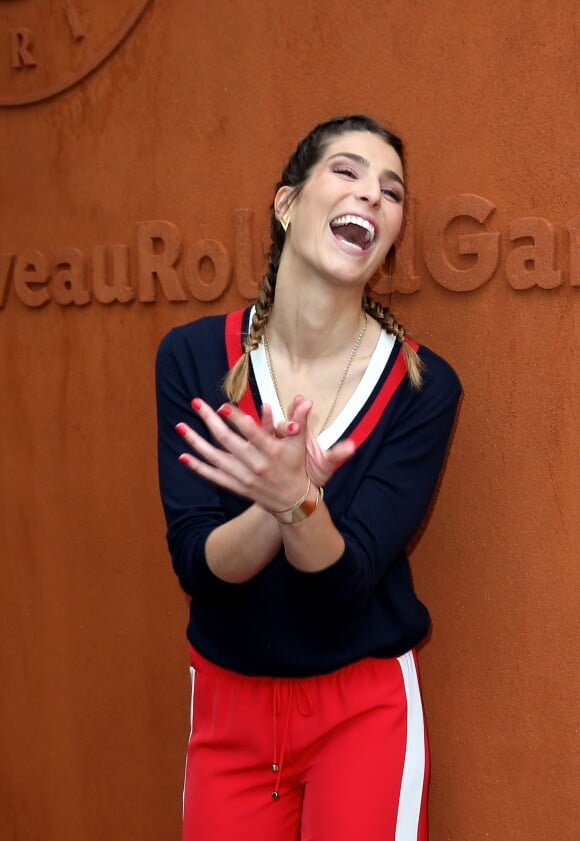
{"x": 354, "y": 230}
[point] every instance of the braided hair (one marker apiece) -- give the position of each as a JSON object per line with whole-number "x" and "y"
{"x": 306, "y": 155}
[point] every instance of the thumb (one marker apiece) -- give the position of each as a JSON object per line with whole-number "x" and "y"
{"x": 297, "y": 423}
{"x": 287, "y": 429}
{"x": 340, "y": 452}
{"x": 302, "y": 409}
{"x": 293, "y": 406}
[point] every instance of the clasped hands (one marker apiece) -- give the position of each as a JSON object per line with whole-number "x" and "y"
{"x": 267, "y": 464}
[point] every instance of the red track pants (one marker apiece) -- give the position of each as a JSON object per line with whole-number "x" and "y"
{"x": 340, "y": 757}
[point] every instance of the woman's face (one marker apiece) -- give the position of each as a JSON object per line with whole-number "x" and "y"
{"x": 350, "y": 210}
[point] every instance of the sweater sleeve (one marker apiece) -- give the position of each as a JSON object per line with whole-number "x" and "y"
{"x": 393, "y": 495}
{"x": 192, "y": 506}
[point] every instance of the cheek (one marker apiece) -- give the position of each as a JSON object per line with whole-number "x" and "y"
{"x": 395, "y": 221}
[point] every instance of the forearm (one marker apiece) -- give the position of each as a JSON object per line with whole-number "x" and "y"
{"x": 238, "y": 550}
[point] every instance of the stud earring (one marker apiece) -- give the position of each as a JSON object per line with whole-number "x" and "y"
{"x": 285, "y": 221}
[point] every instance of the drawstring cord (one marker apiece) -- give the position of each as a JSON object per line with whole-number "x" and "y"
{"x": 297, "y": 694}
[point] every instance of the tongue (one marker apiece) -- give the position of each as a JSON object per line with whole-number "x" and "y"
{"x": 352, "y": 233}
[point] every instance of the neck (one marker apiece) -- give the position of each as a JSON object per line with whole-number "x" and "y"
{"x": 311, "y": 321}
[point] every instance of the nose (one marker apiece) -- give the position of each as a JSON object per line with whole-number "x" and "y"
{"x": 370, "y": 190}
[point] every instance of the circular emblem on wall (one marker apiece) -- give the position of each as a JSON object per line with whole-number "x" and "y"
{"x": 47, "y": 46}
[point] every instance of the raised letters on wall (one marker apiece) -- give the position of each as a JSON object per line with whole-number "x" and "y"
{"x": 160, "y": 262}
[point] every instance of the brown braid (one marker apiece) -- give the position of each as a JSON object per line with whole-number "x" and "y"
{"x": 388, "y": 322}
{"x": 236, "y": 379}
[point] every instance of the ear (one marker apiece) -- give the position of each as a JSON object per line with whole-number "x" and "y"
{"x": 282, "y": 201}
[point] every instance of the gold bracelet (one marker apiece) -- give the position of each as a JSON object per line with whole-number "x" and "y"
{"x": 298, "y": 502}
{"x": 303, "y": 509}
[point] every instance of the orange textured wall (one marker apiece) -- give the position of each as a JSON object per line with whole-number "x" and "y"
{"x": 112, "y": 190}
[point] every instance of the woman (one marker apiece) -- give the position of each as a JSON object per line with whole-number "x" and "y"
{"x": 289, "y": 513}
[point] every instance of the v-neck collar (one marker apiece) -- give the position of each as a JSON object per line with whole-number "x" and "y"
{"x": 385, "y": 372}
{"x": 355, "y": 402}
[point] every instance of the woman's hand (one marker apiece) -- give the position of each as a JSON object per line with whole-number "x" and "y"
{"x": 250, "y": 459}
{"x": 320, "y": 464}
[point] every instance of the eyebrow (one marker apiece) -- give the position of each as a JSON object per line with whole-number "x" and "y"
{"x": 387, "y": 173}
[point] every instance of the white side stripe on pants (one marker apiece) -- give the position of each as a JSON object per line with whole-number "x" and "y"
{"x": 192, "y": 675}
{"x": 414, "y": 766}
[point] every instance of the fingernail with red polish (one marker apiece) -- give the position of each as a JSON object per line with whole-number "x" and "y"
{"x": 181, "y": 428}
{"x": 183, "y": 458}
{"x": 224, "y": 410}
{"x": 293, "y": 426}
{"x": 196, "y": 404}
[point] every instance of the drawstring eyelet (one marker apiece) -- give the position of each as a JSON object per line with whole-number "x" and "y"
{"x": 296, "y": 694}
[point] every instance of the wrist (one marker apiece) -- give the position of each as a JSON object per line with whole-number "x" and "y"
{"x": 302, "y": 508}
{"x": 299, "y": 501}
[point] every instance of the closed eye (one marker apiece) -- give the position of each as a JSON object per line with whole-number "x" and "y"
{"x": 343, "y": 169}
{"x": 392, "y": 194}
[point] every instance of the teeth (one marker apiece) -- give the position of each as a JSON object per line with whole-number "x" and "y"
{"x": 355, "y": 220}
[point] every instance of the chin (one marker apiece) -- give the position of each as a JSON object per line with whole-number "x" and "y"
{"x": 346, "y": 271}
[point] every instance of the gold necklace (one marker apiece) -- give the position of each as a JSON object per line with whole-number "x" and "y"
{"x": 342, "y": 380}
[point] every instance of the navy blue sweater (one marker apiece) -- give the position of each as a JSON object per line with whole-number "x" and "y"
{"x": 285, "y": 622}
